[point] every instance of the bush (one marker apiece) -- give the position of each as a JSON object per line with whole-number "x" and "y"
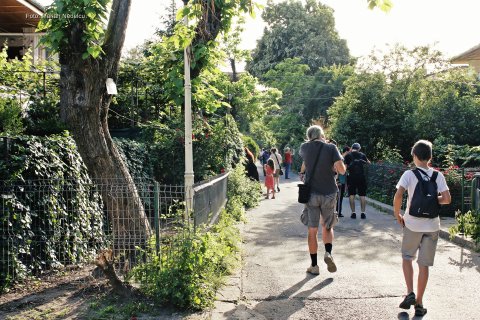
{"x": 50, "y": 213}
{"x": 468, "y": 224}
{"x": 10, "y": 117}
{"x": 243, "y": 190}
{"x": 192, "y": 266}
{"x": 251, "y": 145}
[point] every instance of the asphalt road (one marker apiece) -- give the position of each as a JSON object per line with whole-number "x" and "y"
{"x": 273, "y": 284}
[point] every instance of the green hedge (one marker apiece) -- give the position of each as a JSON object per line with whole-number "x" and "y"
{"x": 51, "y": 215}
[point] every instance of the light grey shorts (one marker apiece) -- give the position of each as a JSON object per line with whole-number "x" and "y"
{"x": 424, "y": 242}
{"x": 321, "y": 208}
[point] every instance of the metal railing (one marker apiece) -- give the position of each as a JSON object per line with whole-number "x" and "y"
{"x": 209, "y": 198}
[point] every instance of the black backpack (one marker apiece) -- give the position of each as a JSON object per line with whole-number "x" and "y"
{"x": 356, "y": 165}
{"x": 424, "y": 202}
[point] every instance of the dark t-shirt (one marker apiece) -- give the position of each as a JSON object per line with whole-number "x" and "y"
{"x": 355, "y": 160}
{"x": 321, "y": 178}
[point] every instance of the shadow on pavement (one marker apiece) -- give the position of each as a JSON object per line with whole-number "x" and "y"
{"x": 467, "y": 260}
{"x": 282, "y": 306}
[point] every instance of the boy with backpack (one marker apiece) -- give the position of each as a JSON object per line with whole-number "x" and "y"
{"x": 427, "y": 190}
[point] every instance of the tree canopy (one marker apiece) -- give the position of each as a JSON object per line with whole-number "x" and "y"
{"x": 299, "y": 31}
{"x": 406, "y": 95}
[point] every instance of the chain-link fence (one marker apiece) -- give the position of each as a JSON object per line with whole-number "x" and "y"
{"x": 383, "y": 178}
{"x": 48, "y": 224}
{"x": 58, "y": 225}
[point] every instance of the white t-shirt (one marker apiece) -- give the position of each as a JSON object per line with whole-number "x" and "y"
{"x": 409, "y": 181}
{"x": 276, "y": 164}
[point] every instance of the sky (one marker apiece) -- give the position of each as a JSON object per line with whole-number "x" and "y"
{"x": 451, "y": 26}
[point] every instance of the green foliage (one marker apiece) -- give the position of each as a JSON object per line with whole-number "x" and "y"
{"x": 86, "y": 17}
{"x": 34, "y": 88}
{"x": 249, "y": 104}
{"x": 251, "y": 145}
{"x": 299, "y": 31}
{"x": 189, "y": 275}
{"x": 10, "y": 117}
{"x": 395, "y": 97}
{"x": 384, "y": 5}
{"x": 447, "y": 154}
{"x": 288, "y": 124}
{"x": 137, "y": 158}
{"x": 327, "y": 85}
{"x": 242, "y": 192}
{"x": 50, "y": 209}
{"x": 467, "y": 223}
{"x": 160, "y": 153}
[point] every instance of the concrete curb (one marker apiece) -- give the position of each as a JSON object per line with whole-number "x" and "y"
{"x": 446, "y": 223}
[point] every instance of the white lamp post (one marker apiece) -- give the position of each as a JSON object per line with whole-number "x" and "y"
{"x": 189, "y": 175}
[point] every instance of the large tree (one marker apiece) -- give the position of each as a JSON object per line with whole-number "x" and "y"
{"x": 89, "y": 53}
{"x": 299, "y": 31}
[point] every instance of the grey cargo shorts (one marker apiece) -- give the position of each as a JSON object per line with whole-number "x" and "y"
{"x": 321, "y": 209}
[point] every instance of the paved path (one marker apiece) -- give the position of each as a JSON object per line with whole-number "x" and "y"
{"x": 272, "y": 283}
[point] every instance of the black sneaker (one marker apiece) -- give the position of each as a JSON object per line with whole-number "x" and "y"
{"x": 420, "y": 311}
{"x": 408, "y": 301}
{"x": 278, "y": 189}
{"x": 340, "y": 215}
{"x": 363, "y": 216}
{"x": 354, "y": 215}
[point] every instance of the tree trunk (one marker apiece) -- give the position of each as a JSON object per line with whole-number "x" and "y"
{"x": 84, "y": 105}
{"x": 234, "y": 69}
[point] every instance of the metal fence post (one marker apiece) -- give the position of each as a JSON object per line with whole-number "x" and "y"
{"x": 156, "y": 213}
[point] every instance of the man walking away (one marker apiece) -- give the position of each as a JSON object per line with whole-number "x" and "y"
{"x": 288, "y": 161}
{"x": 342, "y": 182}
{"x": 321, "y": 205}
{"x": 356, "y": 180}
{"x": 427, "y": 190}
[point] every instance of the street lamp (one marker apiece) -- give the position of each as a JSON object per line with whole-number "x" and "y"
{"x": 189, "y": 175}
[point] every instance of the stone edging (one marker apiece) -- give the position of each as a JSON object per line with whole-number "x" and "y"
{"x": 460, "y": 240}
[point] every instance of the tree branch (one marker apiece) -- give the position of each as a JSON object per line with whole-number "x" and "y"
{"x": 115, "y": 34}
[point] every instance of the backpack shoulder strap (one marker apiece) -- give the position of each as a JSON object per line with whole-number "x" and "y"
{"x": 434, "y": 176}
{"x": 417, "y": 174}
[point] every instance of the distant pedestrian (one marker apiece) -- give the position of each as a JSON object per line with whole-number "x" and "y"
{"x": 269, "y": 179}
{"x": 356, "y": 180}
{"x": 420, "y": 228}
{"x": 288, "y": 161}
{"x": 277, "y": 160}
{"x": 321, "y": 205}
{"x": 250, "y": 166}
{"x": 264, "y": 156}
{"x": 342, "y": 182}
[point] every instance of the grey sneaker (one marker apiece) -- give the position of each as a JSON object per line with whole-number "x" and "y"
{"x": 331, "y": 267}
{"x": 313, "y": 269}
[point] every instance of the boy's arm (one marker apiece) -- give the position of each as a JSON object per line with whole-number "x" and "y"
{"x": 445, "y": 197}
{"x": 397, "y": 205}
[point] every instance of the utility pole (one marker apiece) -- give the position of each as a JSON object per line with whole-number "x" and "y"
{"x": 189, "y": 175}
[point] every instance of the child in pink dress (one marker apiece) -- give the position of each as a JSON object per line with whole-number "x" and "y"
{"x": 269, "y": 182}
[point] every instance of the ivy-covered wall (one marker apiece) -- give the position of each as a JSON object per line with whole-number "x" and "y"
{"x": 50, "y": 213}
